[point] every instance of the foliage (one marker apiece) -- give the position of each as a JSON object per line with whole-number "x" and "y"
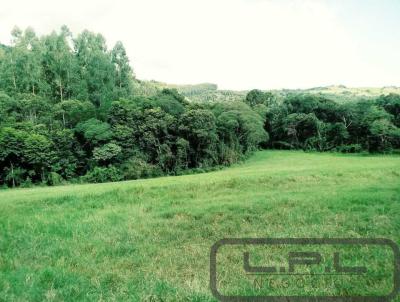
{"x": 103, "y": 174}
{"x": 136, "y": 167}
{"x": 106, "y": 153}
{"x": 313, "y": 122}
{"x": 69, "y": 107}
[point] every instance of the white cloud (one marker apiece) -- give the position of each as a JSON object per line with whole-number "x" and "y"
{"x": 238, "y": 44}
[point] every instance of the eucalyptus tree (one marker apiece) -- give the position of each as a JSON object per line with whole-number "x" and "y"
{"x": 123, "y": 87}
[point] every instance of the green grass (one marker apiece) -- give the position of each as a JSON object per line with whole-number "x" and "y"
{"x": 149, "y": 240}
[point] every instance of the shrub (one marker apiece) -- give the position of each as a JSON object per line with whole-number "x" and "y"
{"x": 354, "y": 148}
{"x": 103, "y": 174}
{"x": 27, "y": 183}
{"x": 106, "y": 152}
{"x": 54, "y": 179}
{"x": 136, "y": 167}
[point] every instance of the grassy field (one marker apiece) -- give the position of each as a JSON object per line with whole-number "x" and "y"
{"x": 149, "y": 240}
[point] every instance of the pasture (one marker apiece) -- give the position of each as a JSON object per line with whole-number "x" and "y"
{"x": 150, "y": 239}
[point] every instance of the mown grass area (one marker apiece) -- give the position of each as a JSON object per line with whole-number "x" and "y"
{"x": 149, "y": 240}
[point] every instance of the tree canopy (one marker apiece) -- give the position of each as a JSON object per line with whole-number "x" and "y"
{"x": 72, "y": 110}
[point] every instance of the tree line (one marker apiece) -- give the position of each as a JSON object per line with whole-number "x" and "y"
{"x": 314, "y": 122}
{"x": 68, "y": 111}
{"x": 72, "y": 110}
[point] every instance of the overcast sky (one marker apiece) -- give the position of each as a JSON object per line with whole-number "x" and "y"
{"x": 237, "y": 44}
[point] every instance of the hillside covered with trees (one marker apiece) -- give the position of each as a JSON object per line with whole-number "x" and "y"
{"x": 72, "y": 110}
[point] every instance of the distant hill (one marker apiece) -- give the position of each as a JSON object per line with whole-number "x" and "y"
{"x": 204, "y": 92}
{"x": 342, "y": 93}
{"x": 208, "y": 92}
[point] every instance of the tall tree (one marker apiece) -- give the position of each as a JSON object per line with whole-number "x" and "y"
{"x": 123, "y": 71}
{"x": 59, "y": 64}
{"x": 21, "y": 68}
{"x": 96, "y": 68}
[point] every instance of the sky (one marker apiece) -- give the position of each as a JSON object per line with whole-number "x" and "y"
{"x": 236, "y": 44}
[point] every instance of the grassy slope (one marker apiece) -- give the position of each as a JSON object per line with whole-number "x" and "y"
{"x": 339, "y": 93}
{"x": 347, "y": 94}
{"x": 150, "y": 239}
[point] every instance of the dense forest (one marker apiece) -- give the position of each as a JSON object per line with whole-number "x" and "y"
{"x": 72, "y": 110}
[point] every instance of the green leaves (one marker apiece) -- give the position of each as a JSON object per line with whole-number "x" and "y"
{"x": 123, "y": 78}
{"x": 38, "y": 149}
{"x": 60, "y": 67}
{"x": 258, "y": 97}
{"x": 71, "y": 107}
{"x": 71, "y": 112}
{"x": 94, "y": 131}
{"x": 106, "y": 152}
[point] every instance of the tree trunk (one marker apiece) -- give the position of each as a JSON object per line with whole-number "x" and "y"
{"x": 42, "y": 175}
{"x": 61, "y": 91}
{"x": 12, "y": 173}
{"x": 13, "y": 73}
{"x": 14, "y": 82}
{"x": 63, "y": 118}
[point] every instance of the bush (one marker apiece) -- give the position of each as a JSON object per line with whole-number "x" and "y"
{"x": 103, "y": 174}
{"x": 136, "y": 167}
{"x": 27, "y": 183}
{"x": 54, "y": 179}
{"x": 354, "y": 148}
